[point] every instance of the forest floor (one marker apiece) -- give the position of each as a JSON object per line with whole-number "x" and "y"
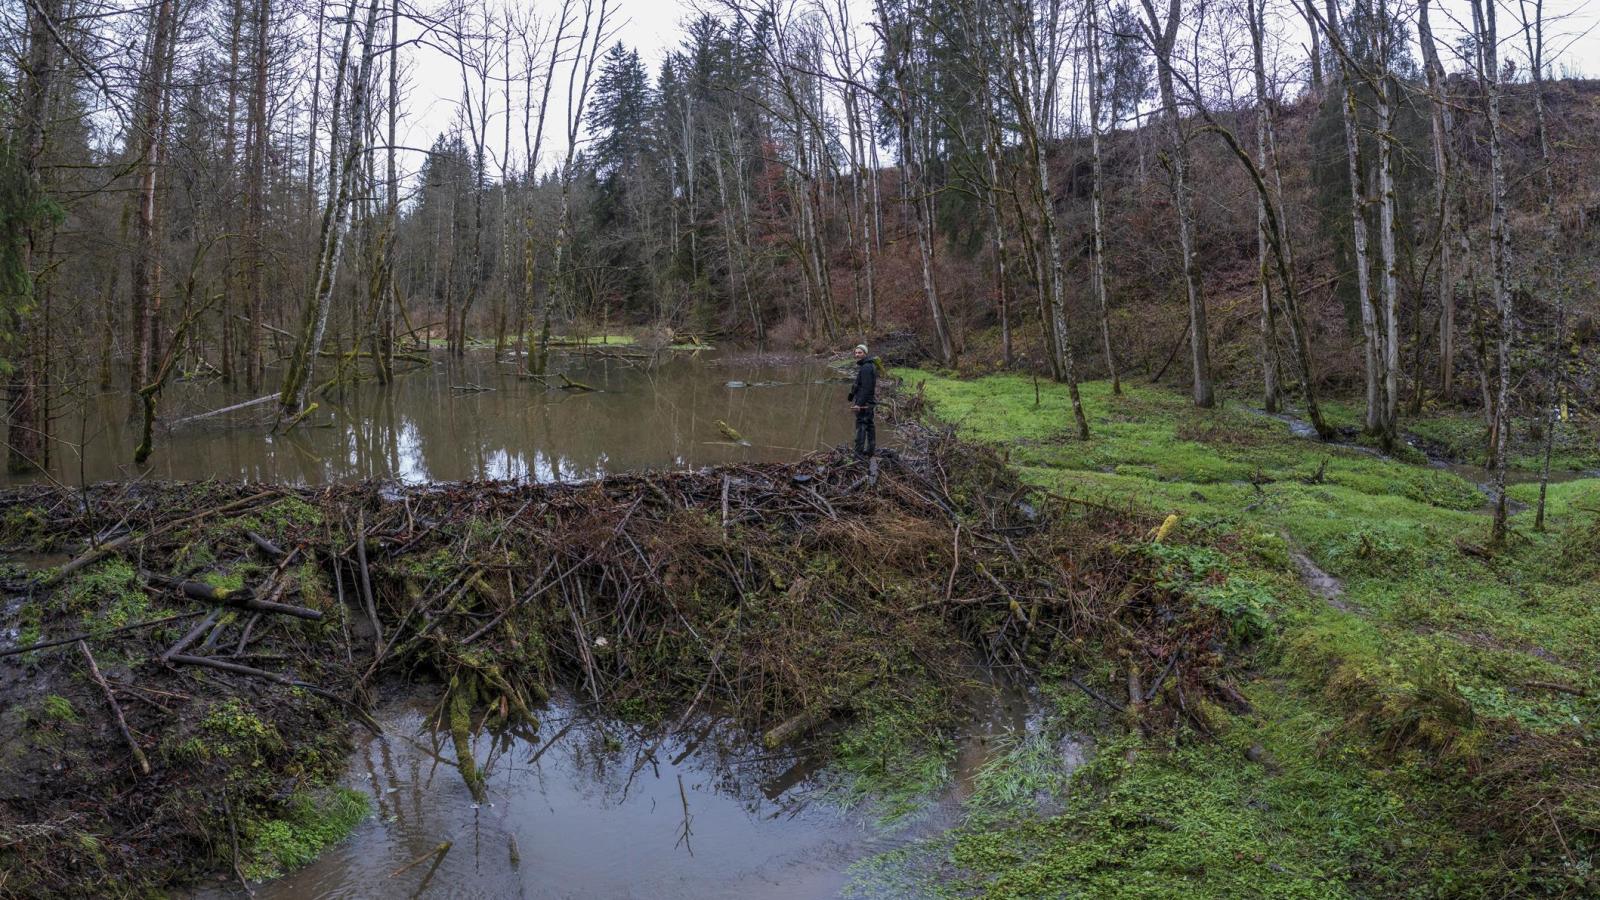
{"x": 1422, "y": 710}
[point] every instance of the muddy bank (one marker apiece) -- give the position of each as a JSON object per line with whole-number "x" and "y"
{"x": 239, "y": 629}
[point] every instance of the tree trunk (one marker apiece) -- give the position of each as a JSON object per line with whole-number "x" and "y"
{"x": 335, "y": 216}
{"x": 1163, "y": 37}
{"x": 28, "y": 424}
{"x": 1483, "y": 17}
{"x": 1095, "y": 198}
{"x": 1388, "y": 289}
{"x": 146, "y": 270}
{"x": 1443, "y": 127}
{"x": 256, "y": 138}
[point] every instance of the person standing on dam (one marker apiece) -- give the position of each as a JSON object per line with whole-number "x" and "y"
{"x": 863, "y": 400}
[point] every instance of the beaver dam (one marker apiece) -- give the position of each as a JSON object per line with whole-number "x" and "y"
{"x": 187, "y": 666}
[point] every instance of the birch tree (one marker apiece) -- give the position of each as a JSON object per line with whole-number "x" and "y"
{"x": 335, "y": 218}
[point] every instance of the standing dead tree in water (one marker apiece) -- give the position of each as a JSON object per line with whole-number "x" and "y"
{"x": 148, "y": 143}
{"x": 292, "y": 406}
{"x": 149, "y": 394}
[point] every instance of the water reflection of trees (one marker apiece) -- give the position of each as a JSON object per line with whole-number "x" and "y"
{"x": 422, "y": 429}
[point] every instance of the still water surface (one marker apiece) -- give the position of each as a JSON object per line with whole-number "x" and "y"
{"x": 594, "y": 807}
{"x": 477, "y": 418}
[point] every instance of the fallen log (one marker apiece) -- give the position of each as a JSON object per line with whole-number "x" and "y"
{"x": 239, "y": 598}
{"x": 264, "y": 545}
{"x": 274, "y": 330}
{"x": 808, "y": 719}
{"x": 193, "y": 634}
{"x": 223, "y": 411}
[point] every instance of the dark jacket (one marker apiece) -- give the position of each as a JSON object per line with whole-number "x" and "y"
{"x": 864, "y": 392}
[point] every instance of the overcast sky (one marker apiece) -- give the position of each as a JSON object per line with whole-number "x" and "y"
{"x": 654, "y": 27}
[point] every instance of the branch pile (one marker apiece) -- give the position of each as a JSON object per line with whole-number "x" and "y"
{"x": 235, "y": 623}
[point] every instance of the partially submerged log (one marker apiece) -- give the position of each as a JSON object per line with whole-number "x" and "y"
{"x": 223, "y": 411}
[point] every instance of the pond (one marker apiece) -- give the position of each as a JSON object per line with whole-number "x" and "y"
{"x": 595, "y": 807}
{"x": 477, "y": 417}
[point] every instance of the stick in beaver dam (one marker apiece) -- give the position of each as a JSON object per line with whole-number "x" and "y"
{"x": 88, "y": 636}
{"x": 116, "y": 710}
{"x": 366, "y": 584}
{"x": 107, "y": 548}
{"x": 240, "y": 598}
{"x": 286, "y": 681}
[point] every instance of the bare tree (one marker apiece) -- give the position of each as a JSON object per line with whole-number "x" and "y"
{"x": 1162, "y": 34}
{"x": 335, "y": 218}
{"x": 1443, "y": 126}
{"x": 1531, "y": 13}
{"x": 149, "y": 132}
{"x": 905, "y": 106}
{"x": 595, "y": 28}
{"x": 1486, "y": 57}
{"x": 1097, "y": 192}
{"x": 533, "y": 144}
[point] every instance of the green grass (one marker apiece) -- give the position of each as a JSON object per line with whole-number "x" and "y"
{"x": 1375, "y": 706}
{"x": 1201, "y": 820}
{"x": 893, "y": 758}
{"x": 1464, "y": 436}
{"x": 311, "y": 823}
{"x": 109, "y": 596}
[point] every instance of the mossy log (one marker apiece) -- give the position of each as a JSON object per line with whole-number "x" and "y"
{"x": 241, "y": 598}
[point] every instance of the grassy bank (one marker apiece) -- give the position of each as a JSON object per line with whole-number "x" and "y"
{"x": 1421, "y": 723}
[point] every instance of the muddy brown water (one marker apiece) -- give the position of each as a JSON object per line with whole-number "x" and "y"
{"x": 477, "y": 418}
{"x": 596, "y": 808}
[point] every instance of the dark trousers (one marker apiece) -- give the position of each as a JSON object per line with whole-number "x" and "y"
{"x": 866, "y": 431}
